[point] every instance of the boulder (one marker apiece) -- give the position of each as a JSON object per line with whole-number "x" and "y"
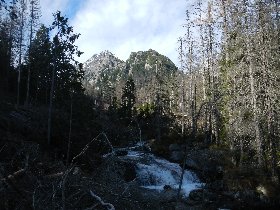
{"x": 247, "y": 195}
{"x": 174, "y": 147}
{"x": 208, "y": 165}
{"x": 203, "y": 195}
{"x": 196, "y": 195}
{"x": 191, "y": 164}
{"x": 129, "y": 172}
{"x": 126, "y": 170}
{"x": 176, "y": 153}
{"x": 217, "y": 185}
{"x": 177, "y": 156}
{"x": 181, "y": 206}
{"x": 167, "y": 187}
{"x": 121, "y": 153}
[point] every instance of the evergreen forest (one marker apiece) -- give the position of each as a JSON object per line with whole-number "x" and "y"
{"x": 142, "y": 133}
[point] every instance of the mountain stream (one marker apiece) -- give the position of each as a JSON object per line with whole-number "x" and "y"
{"x": 158, "y": 174}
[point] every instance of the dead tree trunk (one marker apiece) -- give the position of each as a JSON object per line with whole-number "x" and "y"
{"x": 51, "y": 101}
{"x": 20, "y": 50}
{"x": 70, "y": 131}
{"x": 29, "y": 54}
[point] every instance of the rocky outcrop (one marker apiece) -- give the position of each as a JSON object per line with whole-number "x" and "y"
{"x": 94, "y": 66}
{"x": 106, "y": 75}
{"x": 102, "y": 76}
{"x": 208, "y": 164}
{"x": 176, "y": 152}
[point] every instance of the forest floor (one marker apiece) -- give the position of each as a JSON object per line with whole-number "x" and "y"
{"x": 31, "y": 178}
{"x": 49, "y": 184}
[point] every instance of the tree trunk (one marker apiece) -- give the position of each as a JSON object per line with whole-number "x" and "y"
{"x": 194, "y": 114}
{"x": 253, "y": 91}
{"x": 208, "y": 118}
{"x": 20, "y": 51}
{"x": 29, "y": 54}
{"x": 70, "y": 131}
{"x": 51, "y": 101}
{"x": 11, "y": 39}
{"x": 182, "y": 89}
{"x": 255, "y": 109}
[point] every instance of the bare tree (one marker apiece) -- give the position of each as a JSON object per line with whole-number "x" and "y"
{"x": 21, "y": 39}
{"x": 34, "y": 17}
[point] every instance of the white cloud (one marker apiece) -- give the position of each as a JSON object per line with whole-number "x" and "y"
{"x": 123, "y": 26}
{"x": 48, "y": 7}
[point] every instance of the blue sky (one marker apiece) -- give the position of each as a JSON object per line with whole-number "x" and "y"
{"x": 123, "y": 26}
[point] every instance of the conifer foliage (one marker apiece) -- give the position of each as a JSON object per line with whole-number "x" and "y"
{"x": 128, "y": 98}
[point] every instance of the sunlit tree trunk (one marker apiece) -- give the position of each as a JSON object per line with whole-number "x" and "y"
{"x": 34, "y": 4}
{"x": 252, "y": 89}
{"x": 182, "y": 88}
{"x": 158, "y": 105}
{"x": 266, "y": 42}
{"x": 22, "y": 12}
{"x": 13, "y": 18}
{"x": 209, "y": 75}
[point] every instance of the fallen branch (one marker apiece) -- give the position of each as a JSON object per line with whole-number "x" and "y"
{"x": 14, "y": 175}
{"x": 9, "y": 181}
{"x": 63, "y": 196}
{"x": 55, "y": 175}
{"x": 109, "y": 206}
{"x": 129, "y": 184}
{"x": 88, "y": 145}
{"x": 2, "y": 148}
{"x": 108, "y": 142}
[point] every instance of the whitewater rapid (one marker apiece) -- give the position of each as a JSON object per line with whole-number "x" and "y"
{"x": 157, "y": 173}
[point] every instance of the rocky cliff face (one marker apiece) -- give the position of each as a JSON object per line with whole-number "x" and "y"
{"x": 94, "y": 66}
{"x": 153, "y": 74}
{"x": 105, "y": 75}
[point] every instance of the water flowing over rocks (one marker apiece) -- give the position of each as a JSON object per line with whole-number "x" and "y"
{"x": 144, "y": 181}
{"x": 143, "y": 178}
{"x": 157, "y": 173}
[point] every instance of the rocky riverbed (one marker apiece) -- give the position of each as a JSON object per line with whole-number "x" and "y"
{"x": 144, "y": 181}
{"x": 135, "y": 178}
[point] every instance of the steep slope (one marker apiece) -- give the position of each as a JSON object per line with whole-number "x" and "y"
{"x": 105, "y": 76}
{"x": 101, "y": 73}
{"x": 154, "y": 74}
{"x": 94, "y": 66}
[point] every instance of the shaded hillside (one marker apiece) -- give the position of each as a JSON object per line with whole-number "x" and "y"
{"x": 152, "y": 72}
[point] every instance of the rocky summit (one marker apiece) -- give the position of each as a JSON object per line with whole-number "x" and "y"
{"x": 105, "y": 74}
{"x": 99, "y": 63}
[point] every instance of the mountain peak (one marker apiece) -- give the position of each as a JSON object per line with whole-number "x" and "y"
{"x": 106, "y": 74}
{"x": 99, "y": 62}
{"x": 104, "y": 55}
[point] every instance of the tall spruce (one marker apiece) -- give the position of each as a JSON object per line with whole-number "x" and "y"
{"x": 40, "y": 60}
{"x": 65, "y": 75}
{"x": 22, "y": 14}
{"x": 128, "y": 98}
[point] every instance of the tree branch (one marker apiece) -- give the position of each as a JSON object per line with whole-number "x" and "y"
{"x": 109, "y": 206}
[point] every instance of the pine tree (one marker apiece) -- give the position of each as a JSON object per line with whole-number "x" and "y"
{"x": 40, "y": 60}
{"x": 128, "y": 98}
{"x": 65, "y": 76}
{"x": 22, "y": 14}
{"x": 4, "y": 47}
